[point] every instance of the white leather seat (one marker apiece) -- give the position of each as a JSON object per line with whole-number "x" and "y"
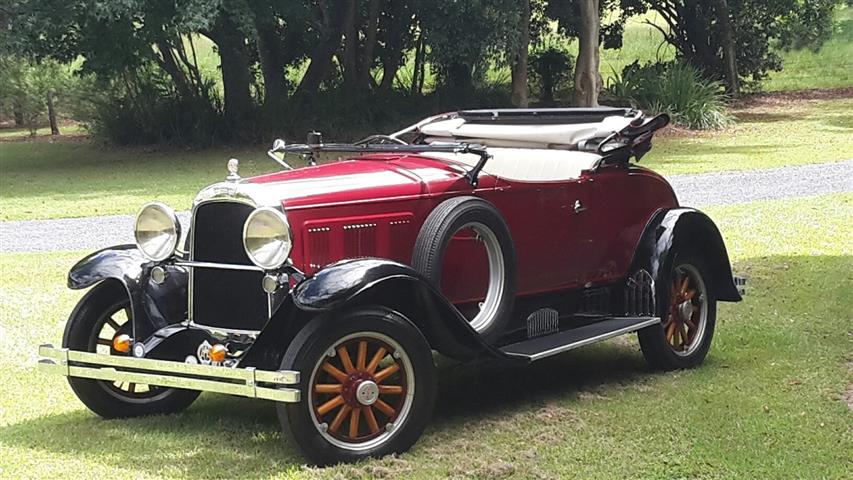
{"x": 528, "y": 164}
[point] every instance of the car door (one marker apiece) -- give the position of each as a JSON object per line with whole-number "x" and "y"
{"x": 542, "y": 221}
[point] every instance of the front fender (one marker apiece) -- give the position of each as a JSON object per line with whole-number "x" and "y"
{"x": 686, "y": 228}
{"x": 401, "y": 288}
{"x": 153, "y": 306}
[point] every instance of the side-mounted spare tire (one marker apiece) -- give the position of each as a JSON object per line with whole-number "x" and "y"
{"x": 443, "y": 223}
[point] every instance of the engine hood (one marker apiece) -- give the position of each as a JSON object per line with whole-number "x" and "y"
{"x": 364, "y": 179}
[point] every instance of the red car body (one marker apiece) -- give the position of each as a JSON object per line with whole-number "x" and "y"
{"x": 374, "y": 206}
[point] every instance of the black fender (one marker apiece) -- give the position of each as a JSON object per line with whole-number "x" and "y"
{"x": 401, "y": 288}
{"x": 154, "y": 306}
{"x": 685, "y": 228}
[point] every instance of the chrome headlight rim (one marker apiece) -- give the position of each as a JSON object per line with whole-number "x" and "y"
{"x": 283, "y": 254}
{"x": 172, "y": 228}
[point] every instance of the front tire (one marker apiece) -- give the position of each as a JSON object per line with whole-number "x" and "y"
{"x": 101, "y": 314}
{"x": 368, "y": 386}
{"x": 688, "y": 311}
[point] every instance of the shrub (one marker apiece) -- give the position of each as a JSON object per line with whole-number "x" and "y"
{"x": 550, "y": 69}
{"x": 675, "y": 88}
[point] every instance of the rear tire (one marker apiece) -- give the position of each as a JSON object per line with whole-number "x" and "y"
{"x": 85, "y": 331}
{"x": 368, "y": 386}
{"x": 688, "y": 310}
{"x": 445, "y": 221}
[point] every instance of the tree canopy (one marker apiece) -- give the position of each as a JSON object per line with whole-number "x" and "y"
{"x": 284, "y": 58}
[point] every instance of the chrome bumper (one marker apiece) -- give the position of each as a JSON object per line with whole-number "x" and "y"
{"x": 246, "y": 382}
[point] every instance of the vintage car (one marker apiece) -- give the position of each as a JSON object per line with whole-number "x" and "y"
{"x": 513, "y": 234}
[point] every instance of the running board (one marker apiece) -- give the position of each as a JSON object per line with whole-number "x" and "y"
{"x": 542, "y": 347}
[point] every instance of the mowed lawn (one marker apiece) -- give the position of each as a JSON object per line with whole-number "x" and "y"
{"x": 78, "y": 178}
{"x": 769, "y": 402}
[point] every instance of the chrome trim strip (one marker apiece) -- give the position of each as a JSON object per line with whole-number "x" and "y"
{"x": 234, "y": 381}
{"x": 221, "y": 266}
{"x": 588, "y": 341}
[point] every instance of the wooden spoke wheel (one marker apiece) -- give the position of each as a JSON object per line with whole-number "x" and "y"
{"x": 687, "y": 315}
{"x": 101, "y": 315}
{"x": 360, "y": 390}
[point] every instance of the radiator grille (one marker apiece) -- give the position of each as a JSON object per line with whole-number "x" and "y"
{"x": 230, "y": 299}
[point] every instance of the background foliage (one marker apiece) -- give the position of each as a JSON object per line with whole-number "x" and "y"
{"x": 200, "y": 72}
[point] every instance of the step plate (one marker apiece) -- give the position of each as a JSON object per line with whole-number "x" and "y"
{"x": 542, "y": 347}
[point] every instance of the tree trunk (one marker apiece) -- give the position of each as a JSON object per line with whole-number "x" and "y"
{"x": 728, "y": 44}
{"x": 519, "y": 65}
{"x": 417, "y": 70}
{"x": 51, "y": 114}
{"x": 349, "y": 58}
{"x": 321, "y": 55}
{"x": 370, "y": 33}
{"x": 587, "y": 76}
{"x": 236, "y": 76}
{"x": 272, "y": 60}
{"x": 18, "y": 113}
{"x": 170, "y": 65}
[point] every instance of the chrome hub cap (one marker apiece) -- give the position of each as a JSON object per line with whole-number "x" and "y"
{"x": 367, "y": 392}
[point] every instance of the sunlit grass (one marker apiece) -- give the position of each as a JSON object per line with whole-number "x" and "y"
{"x": 829, "y": 67}
{"x": 766, "y": 404}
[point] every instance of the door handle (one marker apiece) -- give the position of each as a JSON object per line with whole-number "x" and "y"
{"x": 579, "y": 206}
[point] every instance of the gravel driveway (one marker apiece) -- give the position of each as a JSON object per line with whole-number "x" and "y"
{"x": 90, "y": 233}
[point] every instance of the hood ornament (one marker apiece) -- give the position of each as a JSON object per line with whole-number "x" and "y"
{"x": 233, "y": 167}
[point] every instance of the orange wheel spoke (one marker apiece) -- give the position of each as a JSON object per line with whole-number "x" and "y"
{"x": 385, "y": 373}
{"x": 353, "y": 423}
{"x": 345, "y": 360}
{"x": 328, "y": 388}
{"x": 361, "y": 360}
{"x": 685, "y": 340}
{"x": 380, "y": 354}
{"x": 391, "y": 389}
{"x": 383, "y": 407}
{"x": 339, "y": 418}
{"x": 690, "y": 294}
{"x": 690, "y": 324}
{"x": 330, "y": 405}
{"x": 371, "y": 420}
{"x": 684, "y": 284}
{"x": 671, "y": 331}
{"x": 333, "y": 371}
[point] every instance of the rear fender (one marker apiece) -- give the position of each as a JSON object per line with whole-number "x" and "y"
{"x": 399, "y": 287}
{"x": 153, "y": 305}
{"x": 686, "y": 228}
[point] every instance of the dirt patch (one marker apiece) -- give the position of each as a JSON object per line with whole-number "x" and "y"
{"x": 46, "y": 138}
{"x": 785, "y": 98}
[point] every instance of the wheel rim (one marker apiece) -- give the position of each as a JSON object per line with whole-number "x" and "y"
{"x": 497, "y": 273}
{"x": 112, "y": 322}
{"x": 361, "y": 391}
{"x": 687, "y": 315}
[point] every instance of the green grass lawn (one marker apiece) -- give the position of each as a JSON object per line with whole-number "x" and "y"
{"x": 73, "y": 179}
{"x": 829, "y": 67}
{"x": 766, "y": 404}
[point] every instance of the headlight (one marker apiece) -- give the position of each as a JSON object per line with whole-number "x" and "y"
{"x": 266, "y": 238}
{"x": 157, "y": 231}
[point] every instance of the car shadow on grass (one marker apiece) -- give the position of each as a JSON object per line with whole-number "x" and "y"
{"x": 231, "y": 436}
